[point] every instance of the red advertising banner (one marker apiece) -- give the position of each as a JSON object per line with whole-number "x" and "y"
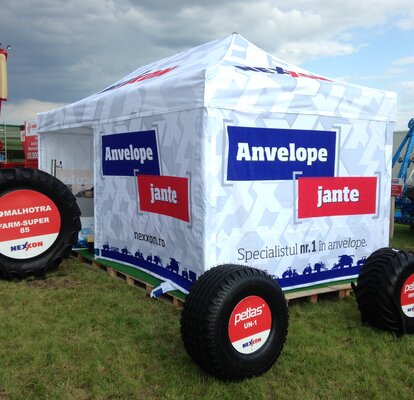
{"x": 324, "y": 197}
{"x": 30, "y": 145}
{"x": 396, "y": 187}
{"x": 166, "y": 195}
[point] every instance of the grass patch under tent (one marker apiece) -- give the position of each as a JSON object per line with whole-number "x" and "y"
{"x": 80, "y": 334}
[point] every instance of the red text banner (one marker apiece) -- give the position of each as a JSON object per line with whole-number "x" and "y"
{"x": 166, "y": 195}
{"x": 324, "y": 197}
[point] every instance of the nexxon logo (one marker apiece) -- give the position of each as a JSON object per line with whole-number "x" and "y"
{"x": 282, "y": 71}
{"x": 26, "y": 246}
{"x": 251, "y": 342}
{"x": 142, "y": 77}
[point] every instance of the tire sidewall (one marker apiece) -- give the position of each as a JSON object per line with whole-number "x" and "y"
{"x": 265, "y": 356}
{"x": 56, "y": 192}
{"x": 406, "y": 272}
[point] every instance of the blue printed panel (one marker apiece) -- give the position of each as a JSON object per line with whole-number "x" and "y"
{"x": 274, "y": 154}
{"x": 306, "y": 279}
{"x": 129, "y": 154}
{"x": 171, "y": 271}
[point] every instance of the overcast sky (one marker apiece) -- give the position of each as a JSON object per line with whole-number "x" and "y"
{"x": 63, "y": 51}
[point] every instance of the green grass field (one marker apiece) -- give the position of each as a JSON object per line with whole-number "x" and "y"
{"x": 80, "y": 334}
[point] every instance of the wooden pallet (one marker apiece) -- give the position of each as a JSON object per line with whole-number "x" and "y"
{"x": 130, "y": 280}
{"x": 313, "y": 294}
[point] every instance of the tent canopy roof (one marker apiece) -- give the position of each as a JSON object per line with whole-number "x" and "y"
{"x": 230, "y": 73}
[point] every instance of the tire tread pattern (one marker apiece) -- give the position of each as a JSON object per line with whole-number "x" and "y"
{"x": 379, "y": 286}
{"x": 199, "y": 316}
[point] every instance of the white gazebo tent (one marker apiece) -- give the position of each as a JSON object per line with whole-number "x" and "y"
{"x": 225, "y": 154}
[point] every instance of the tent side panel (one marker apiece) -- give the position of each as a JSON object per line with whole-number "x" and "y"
{"x": 304, "y": 197}
{"x": 149, "y": 195}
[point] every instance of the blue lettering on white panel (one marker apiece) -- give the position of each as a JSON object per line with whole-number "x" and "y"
{"x": 129, "y": 154}
{"x": 274, "y": 154}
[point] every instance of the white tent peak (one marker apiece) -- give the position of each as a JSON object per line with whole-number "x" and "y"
{"x": 229, "y": 73}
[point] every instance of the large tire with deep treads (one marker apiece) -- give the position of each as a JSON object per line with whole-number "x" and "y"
{"x": 39, "y": 222}
{"x": 234, "y": 322}
{"x": 385, "y": 291}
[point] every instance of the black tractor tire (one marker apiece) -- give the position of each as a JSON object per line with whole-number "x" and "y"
{"x": 385, "y": 291}
{"x": 222, "y": 298}
{"x": 31, "y": 184}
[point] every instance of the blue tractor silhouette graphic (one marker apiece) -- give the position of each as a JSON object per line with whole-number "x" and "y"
{"x": 344, "y": 262}
{"x": 157, "y": 260}
{"x": 149, "y": 258}
{"x": 125, "y": 251}
{"x": 139, "y": 255}
{"x": 289, "y": 273}
{"x": 307, "y": 270}
{"x": 109, "y": 248}
{"x": 318, "y": 267}
{"x": 173, "y": 266}
{"x": 361, "y": 262}
{"x": 189, "y": 275}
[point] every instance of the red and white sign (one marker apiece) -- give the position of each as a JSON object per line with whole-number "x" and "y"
{"x": 29, "y": 224}
{"x": 250, "y": 324}
{"x": 396, "y": 187}
{"x": 407, "y": 297}
{"x": 29, "y": 140}
{"x": 166, "y": 195}
{"x": 324, "y": 197}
